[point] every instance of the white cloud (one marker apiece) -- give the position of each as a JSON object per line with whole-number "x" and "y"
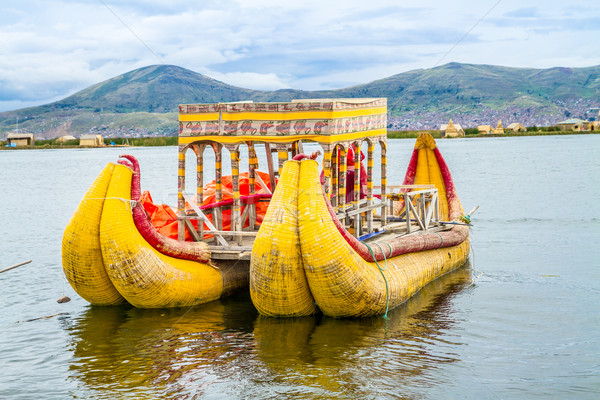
{"x": 49, "y": 50}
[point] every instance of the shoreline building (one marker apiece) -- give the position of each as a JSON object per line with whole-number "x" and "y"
{"x": 499, "y": 128}
{"x": 485, "y": 129}
{"x": 20, "y": 140}
{"x": 65, "y": 138}
{"x": 516, "y": 127}
{"x": 573, "y": 124}
{"x": 91, "y": 140}
{"x": 451, "y": 129}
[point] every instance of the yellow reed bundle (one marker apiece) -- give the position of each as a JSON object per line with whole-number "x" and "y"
{"x": 428, "y": 173}
{"x": 342, "y": 283}
{"x": 278, "y": 285}
{"x": 145, "y": 277}
{"x": 81, "y": 254}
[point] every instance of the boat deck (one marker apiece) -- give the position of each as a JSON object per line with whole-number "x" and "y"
{"x": 420, "y": 217}
{"x": 241, "y": 249}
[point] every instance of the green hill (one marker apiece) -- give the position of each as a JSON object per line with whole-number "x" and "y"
{"x": 144, "y": 101}
{"x": 154, "y": 89}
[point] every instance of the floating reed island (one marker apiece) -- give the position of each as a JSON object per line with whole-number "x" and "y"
{"x": 304, "y": 237}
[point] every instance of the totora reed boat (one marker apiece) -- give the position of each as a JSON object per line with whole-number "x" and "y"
{"x": 304, "y": 237}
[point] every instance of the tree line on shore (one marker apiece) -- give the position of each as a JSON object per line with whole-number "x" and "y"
{"x": 173, "y": 140}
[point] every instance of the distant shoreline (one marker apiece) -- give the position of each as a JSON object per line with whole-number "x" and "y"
{"x": 437, "y": 135}
{"x": 172, "y": 140}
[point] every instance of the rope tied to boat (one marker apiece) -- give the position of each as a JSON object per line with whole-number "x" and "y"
{"x": 387, "y": 290}
{"x": 465, "y": 218}
{"x": 132, "y": 203}
{"x": 442, "y": 238}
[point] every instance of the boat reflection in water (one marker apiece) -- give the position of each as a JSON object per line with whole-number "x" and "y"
{"x": 225, "y": 348}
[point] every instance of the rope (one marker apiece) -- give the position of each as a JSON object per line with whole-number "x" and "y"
{"x": 387, "y": 291}
{"x": 479, "y": 273}
{"x": 132, "y": 203}
{"x": 441, "y": 237}
{"x": 390, "y": 246}
{"x": 466, "y": 218}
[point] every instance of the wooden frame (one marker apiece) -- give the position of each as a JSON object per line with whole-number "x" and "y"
{"x": 337, "y": 125}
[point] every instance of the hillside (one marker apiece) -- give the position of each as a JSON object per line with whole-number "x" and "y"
{"x": 144, "y": 101}
{"x": 154, "y": 89}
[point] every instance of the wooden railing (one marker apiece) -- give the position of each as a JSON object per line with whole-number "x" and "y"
{"x": 420, "y": 211}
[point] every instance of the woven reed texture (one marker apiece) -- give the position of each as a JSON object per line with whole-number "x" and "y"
{"x": 455, "y": 209}
{"x": 278, "y": 285}
{"x": 143, "y": 276}
{"x": 81, "y": 254}
{"x": 341, "y": 282}
{"x": 428, "y": 172}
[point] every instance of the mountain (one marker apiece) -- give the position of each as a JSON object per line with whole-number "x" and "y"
{"x": 144, "y": 101}
{"x": 157, "y": 88}
{"x": 493, "y": 86}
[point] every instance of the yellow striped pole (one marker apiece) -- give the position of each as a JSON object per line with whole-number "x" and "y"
{"x": 356, "y": 199}
{"x": 342, "y": 184}
{"x": 180, "y": 190}
{"x": 383, "y": 145}
{"x": 356, "y": 173}
{"x": 235, "y": 178}
{"x": 282, "y": 156}
{"x": 217, "y": 212}
{"x": 252, "y": 167}
{"x": 218, "y": 174}
{"x": 370, "y": 152}
{"x": 200, "y": 183}
{"x": 334, "y": 177}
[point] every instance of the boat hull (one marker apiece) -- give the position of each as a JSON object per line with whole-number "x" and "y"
{"x": 346, "y": 277}
{"x": 137, "y": 272}
{"x": 81, "y": 252}
{"x": 342, "y": 282}
{"x": 278, "y": 284}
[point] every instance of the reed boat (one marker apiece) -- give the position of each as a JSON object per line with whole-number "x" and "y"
{"x": 321, "y": 266}
{"x": 304, "y": 237}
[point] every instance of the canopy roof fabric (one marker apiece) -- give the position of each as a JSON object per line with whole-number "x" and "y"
{"x": 321, "y": 120}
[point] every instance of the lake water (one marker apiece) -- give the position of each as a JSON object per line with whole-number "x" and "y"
{"x": 520, "y": 321}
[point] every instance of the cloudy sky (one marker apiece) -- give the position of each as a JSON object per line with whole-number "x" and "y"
{"x": 50, "y": 49}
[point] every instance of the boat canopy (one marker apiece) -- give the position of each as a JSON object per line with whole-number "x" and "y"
{"x": 338, "y": 125}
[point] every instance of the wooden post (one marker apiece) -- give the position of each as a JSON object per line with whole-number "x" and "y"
{"x": 252, "y": 166}
{"x": 342, "y": 177}
{"x": 180, "y": 191}
{"x": 334, "y": 176}
{"x": 384, "y": 212}
{"x": 14, "y": 266}
{"x": 218, "y": 185}
{"x": 370, "y": 153}
{"x": 437, "y": 206}
{"x": 282, "y": 155}
{"x": 236, "y": 207}
{"x": 356, "y": 200}
{"x": 270, "y": 165}
{"x": 297, "y": 148}
{"x": 199, "y": 150}
{"x": 328, "y": 174}
{"x": 407, "y": 211}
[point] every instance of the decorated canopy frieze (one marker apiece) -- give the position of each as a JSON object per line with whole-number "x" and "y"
{"x": 299, "y": 118}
